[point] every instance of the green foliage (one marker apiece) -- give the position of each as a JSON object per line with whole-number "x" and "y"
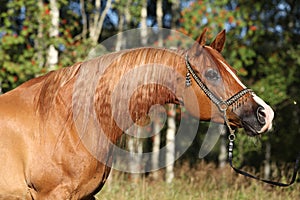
{"x": 202, "y": 14}
{"x": 25, "y": 40}
{"x": 134, "y": 9}
{"x": 17, "y": 63}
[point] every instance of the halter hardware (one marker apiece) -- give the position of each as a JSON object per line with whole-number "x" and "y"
{"x": 223, "y": 106}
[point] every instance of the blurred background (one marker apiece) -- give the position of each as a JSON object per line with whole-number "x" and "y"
{"x": 263, "y": 45}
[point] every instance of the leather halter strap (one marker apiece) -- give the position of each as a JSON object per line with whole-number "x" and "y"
{"x": 223, "y": 106}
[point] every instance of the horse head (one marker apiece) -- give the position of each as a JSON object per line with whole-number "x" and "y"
{"x": 215, "y": 83}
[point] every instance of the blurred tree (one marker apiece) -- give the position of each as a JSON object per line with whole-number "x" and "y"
{"x": 97, "y": 13}
{"x": 18, "y": 33}
{"x": 52, "y": 57}
{"x": 29, "y": 34}
{"x": 170, "y": 142}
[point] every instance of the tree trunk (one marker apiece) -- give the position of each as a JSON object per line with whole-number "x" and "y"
{"x": 52, "y": 59}
{"x": 175, "y": 13}
{"x": 124, "y": 16}
{"x": 156, "y": 148}
{"x": 38, "y": 41}
{"x": 159, "y": 19}
{"x": 223, "y": 146}
{"x": 96, "y": 22}
{"x": 267, "y": 162}
{"x": 84, "y": 20}
{"x": 156, "y": 123}
{"x": 170, "y": 143}
{"x": 120, "y": 41}
{"x": 144, "y": 15}
{"x": 135, "y": 145}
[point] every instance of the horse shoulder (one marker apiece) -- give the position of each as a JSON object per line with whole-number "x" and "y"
{"x": 16, "y": 128}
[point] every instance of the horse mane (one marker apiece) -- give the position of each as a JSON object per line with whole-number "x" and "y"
{"x": 52, "y": 83}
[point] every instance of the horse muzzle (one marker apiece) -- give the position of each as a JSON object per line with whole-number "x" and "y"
{"x": 265, "y": 115}
{"x": 261, "y": 119}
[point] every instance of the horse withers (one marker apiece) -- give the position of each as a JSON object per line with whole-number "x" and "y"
{"x": 57, "y": 131}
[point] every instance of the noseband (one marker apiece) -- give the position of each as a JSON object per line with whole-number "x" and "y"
{"x": 223, "y": 105}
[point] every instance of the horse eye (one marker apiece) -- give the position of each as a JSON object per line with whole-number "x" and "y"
{"x": 212, "y": 75}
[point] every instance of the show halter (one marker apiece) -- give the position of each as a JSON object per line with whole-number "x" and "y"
{"x": 223, "y": 106}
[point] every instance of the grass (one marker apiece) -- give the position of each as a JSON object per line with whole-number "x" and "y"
{"x": 204, "y": 182}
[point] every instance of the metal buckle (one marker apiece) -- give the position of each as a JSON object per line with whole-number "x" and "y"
{"x": 223, "y": 106}
{"x": 231, "y": 137}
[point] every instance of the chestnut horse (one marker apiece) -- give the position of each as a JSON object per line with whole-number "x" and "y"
{"x": 49, "y": 147}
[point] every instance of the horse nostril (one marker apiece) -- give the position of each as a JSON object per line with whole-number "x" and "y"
{"x": 261, "y": 115}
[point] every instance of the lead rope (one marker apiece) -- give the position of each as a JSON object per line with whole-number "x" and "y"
{"x": 231, "y": 139}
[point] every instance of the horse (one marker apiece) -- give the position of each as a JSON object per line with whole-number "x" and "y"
{"x": 50, "y": 144}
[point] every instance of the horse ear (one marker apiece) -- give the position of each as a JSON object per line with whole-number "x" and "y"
{"x": 199, "y": 42}
{"x": 218, "y": 43}
{"x": 202, "y": 38}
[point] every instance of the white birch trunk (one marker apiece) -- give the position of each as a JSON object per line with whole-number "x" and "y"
{"x": 120, "y": 41}
{"x": 135, "y": 145}
{"x": 38, "y": 41}
{"x": 84, "y": 20}
{"x": 267, "y": 161}
{"x": 144, "y": 15}
{"x": 156, "y": 148}
{"x": 223, "y": 147}
{"x": 170, "y": 137}
{"x": 170, "y": 143}
{"x": 52, "y": 59}
{"x": 159, "y": 19}
{"x": 156, "y": 125}
{"x": 96, "y": 22}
